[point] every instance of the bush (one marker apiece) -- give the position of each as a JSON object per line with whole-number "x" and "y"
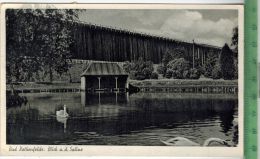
{"x": 194, "y": 73}
{"x": 169, "y": 73}
{"x": 186, "y": 74}
{"x": 179, "y": 64}
{"x": 209, "y": 66}
{"x": 140, "y": 76}
{"x": 132, "y": 75}
{"x": 180, "y": 68}
{"x": 216, "y": 72}
{"x": 177, "y": 74}
{"x": 139, "y": 69}
{"x": 146, "y": 72}
{"x": 161, "y": 69}
{"x": 154, "y": 75}
{"x": 127, "y": 66}
{"x": 201, "y": 69}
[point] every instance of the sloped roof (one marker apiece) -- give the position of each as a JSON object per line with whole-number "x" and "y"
{"x": 103, "y": 69}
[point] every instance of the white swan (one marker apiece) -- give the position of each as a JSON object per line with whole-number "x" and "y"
{"x": 181, "y": 141}
{"x": 62, "y": 113}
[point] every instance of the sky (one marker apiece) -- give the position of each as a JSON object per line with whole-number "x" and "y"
{"x": 212, "y": 27}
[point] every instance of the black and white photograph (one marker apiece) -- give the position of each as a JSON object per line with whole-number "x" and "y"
{"x": 167, "y": 77}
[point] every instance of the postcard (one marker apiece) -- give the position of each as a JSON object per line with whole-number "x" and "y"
{"x": 122, "y": 79}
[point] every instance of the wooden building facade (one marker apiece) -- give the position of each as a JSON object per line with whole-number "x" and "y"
{"x": 92, "y": 42}
{"x": 104, "y": 76}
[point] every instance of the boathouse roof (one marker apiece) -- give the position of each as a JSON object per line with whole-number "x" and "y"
{"x": 103, "y": 69}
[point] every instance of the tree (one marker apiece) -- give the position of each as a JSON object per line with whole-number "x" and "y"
{"x": 179, "y": 67}
{"x": 234, "y": 41}
{"x": 167, "y": 57}
{"x": 38, "y": 39}
{"x": 209, "y": 66}
{"x": 234, "y": 44}
{"x": 139, "y": 69}
{"x": 227, "y": 63}
{"x": 170, "y": 55}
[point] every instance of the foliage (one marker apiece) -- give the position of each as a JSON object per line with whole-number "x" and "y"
{"x": 179, "y": 66}
{"x": 234, "y": 44}
{"x": 13, "y": 99}
{"x": 209, "y": 66}
{"x": 216, "y": 72}
{"x": 139, "y": 69}
{"x": 194, "y": 73}
{"x": 169, "y": 73}
{"x": 235, "y": 68}
{"x": 132, "y": 75}
{"x": 227, "y": 63}
{"x": 127, "y": 66}
{"x": 185, "y": 74}
{"x": 170, "y": 55}
{"x": 161, "y": 69}
{"x": 177, "y": 74}
{"x": 154, "y": 75}
{"x": 139, "y": 76}
{"x": 181, "y": 69}
{"x": 167, "y": 57}
{"x": 234, "y": 40}
{"x": 45, "y": 35}
{"x": 176, "y": 68}
{"x": 147, "y": 72}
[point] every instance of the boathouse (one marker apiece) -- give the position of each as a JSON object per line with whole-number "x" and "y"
{"x": 104, "y": 76}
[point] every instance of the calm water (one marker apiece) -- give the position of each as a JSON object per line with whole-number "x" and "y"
{"x": 122, "y": 119}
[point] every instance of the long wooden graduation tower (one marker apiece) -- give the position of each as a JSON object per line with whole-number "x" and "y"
{"x": 94, "y": 42}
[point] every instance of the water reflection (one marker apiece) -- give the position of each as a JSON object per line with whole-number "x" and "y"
{"x": 120, "y": 119}
{"x": 88, "y": 99}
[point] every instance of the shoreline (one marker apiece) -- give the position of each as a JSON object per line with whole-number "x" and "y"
{"x": 151, "y": 85}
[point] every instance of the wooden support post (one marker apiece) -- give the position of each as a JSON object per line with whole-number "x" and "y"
{"x": 99, "y": 82}
{"x": 116, "y": 82}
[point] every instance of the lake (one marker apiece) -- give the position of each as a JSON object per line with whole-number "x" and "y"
{"x": 122, "y": 118}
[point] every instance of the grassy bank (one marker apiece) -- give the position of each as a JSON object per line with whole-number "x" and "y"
{"x": 137, "y": 83}
{"x": 32, "y": 85}
{"x": 183, "y": 82}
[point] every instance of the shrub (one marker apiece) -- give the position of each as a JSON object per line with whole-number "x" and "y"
{"x": 177, "y": 74}
{"x": 167, "y": 57}
{"x": 154, "y": 75}
{"x": 146, "y": 72}
{"x": 216, "y": 72}
{"x": 132, "y": 75}
{"x": 139, "y": 69}
{"x": 194, "y": 73}
{"x": 209, "y": 66}
{"x": 161, "y": 69}
{"x": 127, "y": 66}
{"x": 139, "y": 76}
{"x": 180, "y": 68}
{"x": 179, "y": 64}
{"x": 186, "y": 74}
{"x": 169, "y": 73}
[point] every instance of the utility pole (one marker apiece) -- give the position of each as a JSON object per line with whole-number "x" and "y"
{"x": 193, "y": 54}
